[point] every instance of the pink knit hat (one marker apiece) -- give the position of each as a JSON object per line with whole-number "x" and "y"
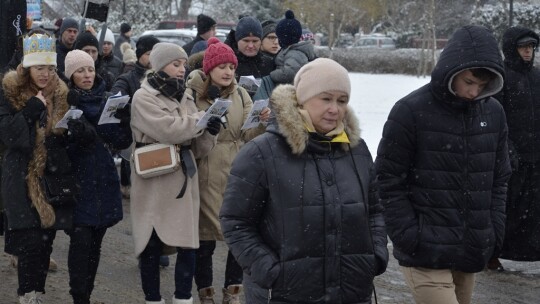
{"x": 75, "y": 60}
{"x": 217, "y": 53}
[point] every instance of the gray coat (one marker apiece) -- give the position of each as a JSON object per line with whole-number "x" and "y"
{"x": 290, "y": 60}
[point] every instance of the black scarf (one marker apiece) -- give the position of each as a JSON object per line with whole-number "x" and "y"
{"x": 171, "y": 87}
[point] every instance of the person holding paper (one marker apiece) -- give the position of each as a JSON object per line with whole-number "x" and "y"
{"x": 32, "y": 101}
{"x": 300, "y": 211}
{"x": 216, "y": 80}
{"x": 165, "y": 208}
{"x": 99, "y": 203}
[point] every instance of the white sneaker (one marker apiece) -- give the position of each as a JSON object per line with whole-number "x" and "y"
{"x": 31, "y": 298}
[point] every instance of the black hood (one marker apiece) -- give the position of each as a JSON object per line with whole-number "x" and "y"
{"x": 471, "y": 46}
{"x": 511, "y": 56}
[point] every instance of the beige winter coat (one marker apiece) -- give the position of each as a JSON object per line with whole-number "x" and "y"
{"x": 156, "y": 118}
{"x": 214, "y": 168}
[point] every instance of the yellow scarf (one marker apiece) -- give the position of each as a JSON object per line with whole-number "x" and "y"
{"x": 337, "y": 135}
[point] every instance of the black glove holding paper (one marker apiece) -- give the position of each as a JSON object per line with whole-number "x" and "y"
{"x": 124, "y": 114}
{"x": 81, "y": 131}
{"x": 214, "y": 125}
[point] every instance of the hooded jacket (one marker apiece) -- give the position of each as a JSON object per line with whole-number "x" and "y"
{"x": 443, "y": 165}
{"x": 301, "y": 216}
{"x": 25, "y": 156}
{"x": 290, "y": 60}
{"x": 521, "y": 97}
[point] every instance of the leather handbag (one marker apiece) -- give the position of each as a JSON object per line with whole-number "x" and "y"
{"x": 59, "y": 189}
{"x": 156, "y": 159}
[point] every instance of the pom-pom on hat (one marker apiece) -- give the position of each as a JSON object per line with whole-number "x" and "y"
{"x": 109, "y": 36}
{"x": 164, "y": 53}
{"x": 248, "y": 26}
{"x": 75, "y": 60}
{"x": 321, "y": 75}
{"x": 204, "y": 24}
{"x": 145, "y": 44}
{"x": 39, "y": 49}
{"x": 217, "y": 53}
{"x": 288, "y": 30}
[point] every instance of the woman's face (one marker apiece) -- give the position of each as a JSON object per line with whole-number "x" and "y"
{"x": 326, "y": 110}
{"x": 270, "y": 43}
{"x": 84, "y": 77}
{"x": 176, "y": 69}
{"x": 41, "y": 75}
{"x": 223, "y": 75}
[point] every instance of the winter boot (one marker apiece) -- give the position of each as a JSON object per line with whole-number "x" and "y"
{"x": 206, "y": 295}
{"x": 495, "y": 264}
{"x": 53, "y": 267}
{"x": 156, "y": 302}
{"x": 31, "y": 298}
{"x": 231, "y": 294}
{"x": 182, "y": 301}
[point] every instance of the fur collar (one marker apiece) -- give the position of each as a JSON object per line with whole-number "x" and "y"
{"x": 289, "y": 120}
{"x": 18, "y": 96}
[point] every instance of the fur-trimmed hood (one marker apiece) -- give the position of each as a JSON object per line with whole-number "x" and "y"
{"x": 289, "y": 120}
{"x": 18, "y": 96}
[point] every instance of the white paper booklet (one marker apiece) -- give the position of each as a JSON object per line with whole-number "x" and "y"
{"x": 250, "y": 83}
{"x": 252, "y": 120}
{"x": 70, "y": 114}
{"x": 114, "y": 103}
{"x": 218, "y": 108}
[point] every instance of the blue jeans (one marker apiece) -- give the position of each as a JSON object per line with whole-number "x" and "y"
{"x": 183, "y": 272}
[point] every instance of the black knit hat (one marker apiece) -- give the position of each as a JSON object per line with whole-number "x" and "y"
{"x": 145, "y": 44}
{"x": 68, "y": 23}
{"x": 268, "y": 26}
{"x": 204, "y": 24}
{"x": 248, "y": 26}
{"x": 84, "y": 39}
{"x": 288, "y": 30}
{"x": 124, "y": 28}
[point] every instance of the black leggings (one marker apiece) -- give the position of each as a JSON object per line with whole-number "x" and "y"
{"x": 204, "y": 268}
{"x": 83, "y": 261}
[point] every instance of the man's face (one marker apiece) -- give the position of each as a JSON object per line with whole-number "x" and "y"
{"x": 526, "y": 51}
{"x": 145, "y": 60}
{"x": 211, "y": 33}
{"x": 69, "y": 36}
{"x": 249, "y": 46}
{"x": 467, "y": 86}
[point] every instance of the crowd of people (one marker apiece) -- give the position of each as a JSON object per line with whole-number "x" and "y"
{"x": 304, "y": 209}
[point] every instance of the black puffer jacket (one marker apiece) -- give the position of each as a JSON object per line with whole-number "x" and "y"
{"x": 113, "y": 65}
{"x": 443, "y": 164}
{"x": 257, "y": 66}
{"x": 300, "y": 215}
{"x": 128, "y": 83}
{"x": 521, "y": 97}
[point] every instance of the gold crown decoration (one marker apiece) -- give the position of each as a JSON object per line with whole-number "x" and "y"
{"x": 39, "y": 49}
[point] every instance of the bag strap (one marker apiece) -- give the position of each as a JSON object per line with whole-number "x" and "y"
{"x": 241, "y": 95}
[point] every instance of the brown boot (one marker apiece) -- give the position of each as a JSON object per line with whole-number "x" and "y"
{"x": 206, "y": 295}
{"x": 495, "y": 264}
{"x": 231, "y": 294}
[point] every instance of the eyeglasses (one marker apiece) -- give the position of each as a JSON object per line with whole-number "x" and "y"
{"x": 45, "y": 70}
{"x": 271, "y": 38}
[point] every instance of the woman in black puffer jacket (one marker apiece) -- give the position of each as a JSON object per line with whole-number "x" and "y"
{"x": 300, "y": 213}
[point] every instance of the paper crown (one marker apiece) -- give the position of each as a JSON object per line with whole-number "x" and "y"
{"x": 39, "y": 49}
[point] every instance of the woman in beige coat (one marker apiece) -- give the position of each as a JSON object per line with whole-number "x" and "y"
{"x": 219, "y": 65}
{"x": 162, "y": 214}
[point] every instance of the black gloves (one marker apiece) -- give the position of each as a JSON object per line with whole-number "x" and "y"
{"x": 34, "y": 108}
{"x": 73, "y": 98}
{"x": 55, "y": 141}
{"x": 214, "y": 125}
{"x": 124, "y": 114}
{"x": 81, "y": 131}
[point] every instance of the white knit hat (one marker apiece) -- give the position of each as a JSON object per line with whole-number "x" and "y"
{"x": 75, "y": 60}
{"x": 164, "y": 53}
{"x": 39, "y": 49}
{"x": 321, "y": 75}
{"x": 109, "y": 37}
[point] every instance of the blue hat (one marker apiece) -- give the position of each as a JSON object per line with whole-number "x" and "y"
{"x": 199, "y": 46}
{"x": 248, "y": 26}
{"x": 288, "y": 30}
